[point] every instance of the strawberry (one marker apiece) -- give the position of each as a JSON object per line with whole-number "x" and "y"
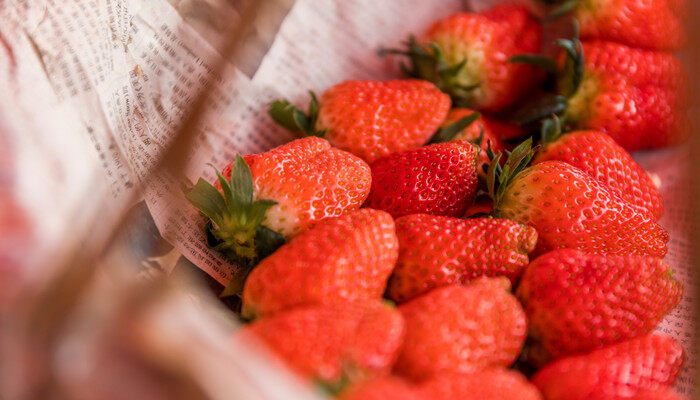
{"x": 368, "y": 118}
{"x": 619, "y": 371}
{"x": 466, "y": 55}
{"x": 570, "y": 209}
{"x": 461, "y": 329}
{"x": 490, "y": 384}
{"x": 439, "y": 179}
{"x": 478, "y": 129}
{"x": 577, "y": 302}
{"x": 384, "y": 388}
{"x": 599, "y": 156}
{"x": 264, "y": 198}
{"x": 652, "y": 24}
{"x": 661, "y": 394}
{"x": 439, "y": 251}
{"x": 347, "y": 258}
{"x": 335, "y": 343}
{"x": 636, "y": 96}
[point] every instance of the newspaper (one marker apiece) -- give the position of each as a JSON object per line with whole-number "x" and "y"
{"x": 114, "y": 78}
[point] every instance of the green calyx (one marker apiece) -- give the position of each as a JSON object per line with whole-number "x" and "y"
{"x": 449, "y": 133}
{"x": 563, "y": 7}
{"x": 428, "y": 62}
{"x": 294, "y": 119}
{"x": 551, "y": 130}
{"x": 568, "y": 79}
{"x": 234, "y": 226}
{"x": 498, "y": 178}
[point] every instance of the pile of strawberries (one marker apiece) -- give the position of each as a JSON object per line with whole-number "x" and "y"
{"x": 409, "y": 247}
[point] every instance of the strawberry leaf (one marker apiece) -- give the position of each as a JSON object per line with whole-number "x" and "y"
{"x": 449, "y": 133}
{"x": 545, "y": 62}
{"x": 208, "y": 200}
{"x": 564, "y": 8}
{"x": 234, "y": 226}
{"x": 498, "y": 179}
{"x": 540, "y": 108}
{"x": 294, "y": 119}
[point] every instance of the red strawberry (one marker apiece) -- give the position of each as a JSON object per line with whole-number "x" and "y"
{"x": 466, "y": 55}
{"x": 597, "y": 154}
{"x": 439, "y": 251}
{"x": 280, "y": 192}
{"x": 340, "y": 259}
{"x": 620, "y": 371}
{"x": 385, "y": 388}
{"x": 653, "y": 24}
{"x": 370, "y": 119}
{"x": 570, "y": 209}
{"x": 662, "y": 394}
{"x": 439, "y": 179}
{"x": 490, "y": 384}
{"x": 636, "y": 96}
{"x": 461, "y": 329}
{"x": 577, "y": 302}
{"x": 334, "y": 343}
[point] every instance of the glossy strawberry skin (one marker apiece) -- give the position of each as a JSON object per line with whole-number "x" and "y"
{"x": 619, "y": 371}
{"x": 384, "y": 388}
{"x": 309, "y": 180}
{"x": 569, "y": 209}
{"x": 439, "y": 251}
{"x": 353, "y": 341}
{"x": 661, "y": 394}
{"x": 636, "y": 96}
{"x": 439, "y": 179}
{"x": 461, "y": 329}
{"x": 347, "y": 258}
{"x": 599, "y": 156}
{"x": 487, "y": 40}
{"x": 577, "y": 302}
{"x": 489, "y": 384}
{"x": 373, "y": 119}
{"x": 651, "y": 24}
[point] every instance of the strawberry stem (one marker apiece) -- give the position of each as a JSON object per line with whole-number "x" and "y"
{"x": 294, "y": 119}
{"x": 234, "y": 226}
{"x": 447, "y": 134}
{"x": 498, "y": 178}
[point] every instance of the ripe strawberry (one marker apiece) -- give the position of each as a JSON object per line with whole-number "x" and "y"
{"x": 490, "y": 384}
{"x": 368, "y": 118}
{"x": 461, "y": 329}
{"x": 619, "y": 371}
{"x": 384, "y": 388}
{"x": 570, "y": 209}
{"x": 262, "y": 197}
{"x": 636, "y": 96}
{"x": 439, "y": 251}
{"x": 577, "y": 302}
{"x": 653, "y": 24}
{"x": 478, "y": 129}
{"x": 439, "y": 179}
{"x": 332, "y": 344}
{"x": 597, "y": 154}
{"x": 466, "y": 55}
{"x": 661, "y": 394}
{"x": 340, "y": 259}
